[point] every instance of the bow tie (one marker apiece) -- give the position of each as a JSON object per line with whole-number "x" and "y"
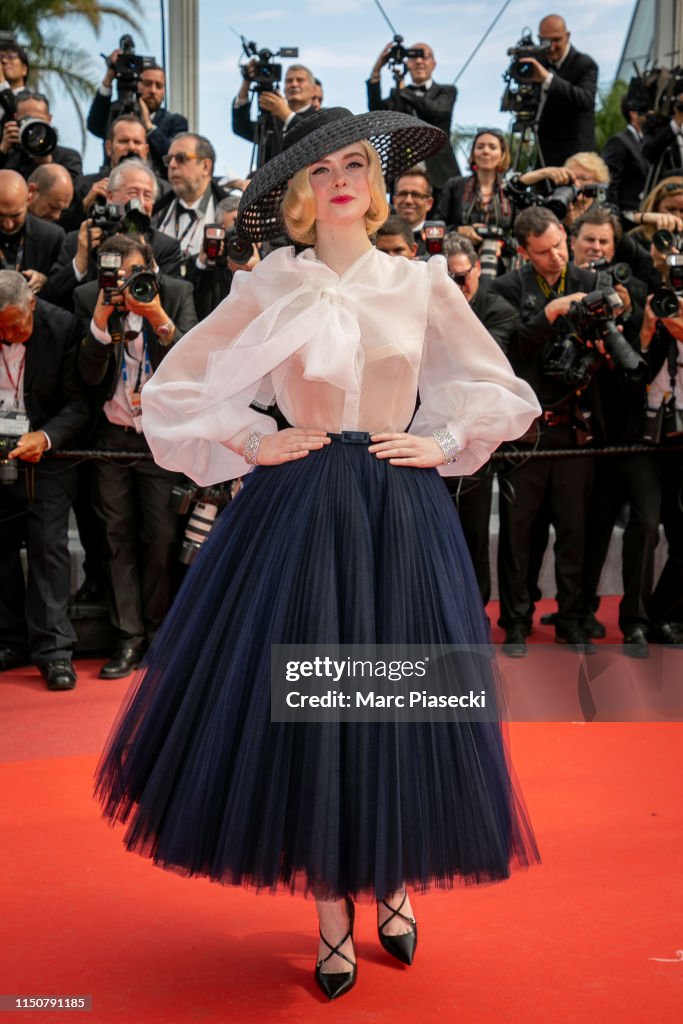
{"x": 192, "y": 214}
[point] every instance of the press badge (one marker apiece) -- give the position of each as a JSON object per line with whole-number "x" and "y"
{"x": 14, "y": 423}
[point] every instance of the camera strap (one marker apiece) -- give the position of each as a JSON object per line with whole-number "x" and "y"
{"x": 15, "y": 385}
{"x": 672, "y": 366}
{"x": 559, "y": 289}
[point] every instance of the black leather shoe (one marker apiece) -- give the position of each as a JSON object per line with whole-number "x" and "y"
{"x": 592, "y": 627}
{"x": 577, "y": 640}
{"x": 402, "y": 947}
{"x": 338, "y": 984}
{"x": 665, "y": 633}
{"x": 59, "y": 675}
{"x": 124, "y": 662}
{"x": 635, "y": 643}
{"x": 514, "y": 645}
{"x": 13, "y": 657}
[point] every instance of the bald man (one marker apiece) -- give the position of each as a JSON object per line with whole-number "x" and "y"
{"x": 568, "y": 81}
{"x": 27, "y": 243}
{"x": 50, "y": 191}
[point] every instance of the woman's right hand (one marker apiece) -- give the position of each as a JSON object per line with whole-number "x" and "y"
{"x": 287, "y": 445}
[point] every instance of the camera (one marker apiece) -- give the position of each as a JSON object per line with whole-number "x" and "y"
{"x": 127, "y": 70}
{"x": 434, "y": 233}
{"x": 520, "y": 70}
{"x": 141, "y": 283}
{"x": 203, "y": 504}
{"x": 221, "y": 245}
{"x": 119, "y": 218}
{"x": 399, "y": 54}
{"x": 665, "y": 300}
{"x": 9, "y": 471}
{"x": 573, "y": 355}
{"x": 616, "y": 273}
{"x": 266, "y": 74}
{"x": 664, "y": 241}
{"x": 490, "y": 248}
{"x": 522, "y": 96}
{"x": 36, "y": 137}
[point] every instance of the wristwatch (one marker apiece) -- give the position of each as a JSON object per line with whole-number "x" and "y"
{"x": 165, "y": 332}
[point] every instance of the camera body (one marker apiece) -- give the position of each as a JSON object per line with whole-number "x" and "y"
{"x": 222, "y": 245}
{"x": 119, "y": 218}
{"x": 399, "y": 54}
{"x": 266, "y": 74}
{"x": 522, "y": 96}
{"x": 127, "y": 69}
{"x": 520, "y": 70}
{"x": 613, "y": 273}
{"x": 664, "y": 302}
{"x": 9, "y": 471}
{"x": 141, "y": 282}
{"x": 36, "y": 137}
{"x": 573, "y": 355}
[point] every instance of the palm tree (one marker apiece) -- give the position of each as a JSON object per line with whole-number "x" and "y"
{"x": 34, "y": 23}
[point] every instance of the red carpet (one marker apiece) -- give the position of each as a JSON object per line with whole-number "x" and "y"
{"x": 591, "y": 935}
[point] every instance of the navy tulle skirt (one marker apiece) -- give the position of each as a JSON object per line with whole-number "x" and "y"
{"x": 338, "y": 547}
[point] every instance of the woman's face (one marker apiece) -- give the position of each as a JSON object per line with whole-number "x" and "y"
{"x": 341, "y": 186}
{"x": 487, "y": 152}
{"x": 671, "y": 202}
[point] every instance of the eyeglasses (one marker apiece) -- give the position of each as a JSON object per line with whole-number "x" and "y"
{"x": 8, "y": 55}
{"x": 410, "y": 195}
{"x": 461, "y": 277}
{"x": 180, "y": 158}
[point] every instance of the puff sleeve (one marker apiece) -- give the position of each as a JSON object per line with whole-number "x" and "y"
{"x": 466, "y": 384}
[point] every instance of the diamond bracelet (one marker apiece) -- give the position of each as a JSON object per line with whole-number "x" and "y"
{"x": 251, "y": 447}
{"x": 448, "y": 445}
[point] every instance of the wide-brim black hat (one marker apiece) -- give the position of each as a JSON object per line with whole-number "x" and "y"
{"x": 401, "y": 142}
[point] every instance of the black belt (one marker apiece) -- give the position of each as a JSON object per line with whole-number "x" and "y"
{"x": 352, "y": 437}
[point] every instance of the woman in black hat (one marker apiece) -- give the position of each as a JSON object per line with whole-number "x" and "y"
{"x": 343, "y": 533}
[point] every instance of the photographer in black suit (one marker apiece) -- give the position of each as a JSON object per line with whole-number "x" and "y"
{"x": 624, "y": 156}
{"x": 566, "y": 121}
{"x": 42, "y": 406}
{"x": 423, "y": 98}
{"x": 131, "y": 500}
{"x": 161, "y": 126}
{"x": 13, "y": 157}
{"x": 281, "y": 110}
{"x": 27, "y": 243}
{"x": 472, "y": 495}
{"x": 542, "y": 291}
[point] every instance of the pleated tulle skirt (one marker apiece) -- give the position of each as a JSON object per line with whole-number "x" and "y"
{"x": 337, "y": 547}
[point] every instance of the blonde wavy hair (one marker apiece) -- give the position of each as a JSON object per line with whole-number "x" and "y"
{"x": 593, "y": 163}
{"x": 298, "y": 203}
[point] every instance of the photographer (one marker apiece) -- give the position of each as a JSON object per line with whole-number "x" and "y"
{"x": 662, "y": 345}
{"x": 160, "y": 125}
{"x": 131, "y": 181}
{"x": 14, "y": 68}
{"x": 663, "y": 146}
{"x": 42, "y": 406}
{"x": 129, "y": 330}
{"x": 50, "y": 192}
{"x": 27, "y": 244}
{"x": 423, "y": 98}
{"x": 282, "y": 112}
{"x": 472, "y": 495}
{"x": 568, "y": 80}
{"x": 211, "y": 276}
{"x": 543, "y": 291}
{"x": 183, "y": 211}
{"x": 626, "y": 161}
{"x": 34, "y": 106}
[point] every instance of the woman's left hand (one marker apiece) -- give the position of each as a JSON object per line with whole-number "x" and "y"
{"x": 407, "y": 450}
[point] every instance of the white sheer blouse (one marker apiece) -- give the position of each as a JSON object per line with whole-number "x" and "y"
{"x": 337, "y": 352}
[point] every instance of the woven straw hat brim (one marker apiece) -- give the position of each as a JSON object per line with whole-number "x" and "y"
{"x": 400, "y": 140}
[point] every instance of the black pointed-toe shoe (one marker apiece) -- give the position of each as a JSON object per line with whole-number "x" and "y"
{"x": 402, "y": 947}
{"x": 335, "y": 985}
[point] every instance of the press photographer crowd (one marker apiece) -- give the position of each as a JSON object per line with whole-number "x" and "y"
{"x": 571, "y": 258}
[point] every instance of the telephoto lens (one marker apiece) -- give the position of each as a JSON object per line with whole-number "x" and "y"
{"x": 9, "y": 471}
{"x": 197, "y": 530}
{"x": 36, "y": 137}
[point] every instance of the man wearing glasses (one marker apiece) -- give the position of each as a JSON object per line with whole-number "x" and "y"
{"x": 568, "y": 80}
{"x": 191, "y": 203}
{"x": 161, "y": 126}
{"x": 412, "y": 200}
{"x": 13, "y": 69}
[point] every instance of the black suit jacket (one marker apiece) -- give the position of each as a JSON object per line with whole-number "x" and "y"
{"x": 243, "y": 126}
{"x": 661, "y": 148}
{"x": 499, "y": 318}
{"x": 166, "y": 127}
{"x": 567, "y": 122}
{"x": 42, "y": 241}
{"x": 60, "y": 285}
{"x": 53, "y": 394}
{"x": 628, "y": 170}
{"x": 436, "y": 108}
{"x": 19, "y": 161}
{"x": 100, "y": 365}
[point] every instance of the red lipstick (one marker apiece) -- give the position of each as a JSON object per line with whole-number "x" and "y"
{"x": 342, "y": 199}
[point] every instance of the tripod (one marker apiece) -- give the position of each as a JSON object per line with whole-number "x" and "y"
{"x": 524, "y": 141}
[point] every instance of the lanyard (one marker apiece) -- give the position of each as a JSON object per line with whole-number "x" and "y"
{"x": 18, "y": 259}
{"x": 147, "y": 366}
{"x": 14, "y": 385}
{"x": 559, "y": 289}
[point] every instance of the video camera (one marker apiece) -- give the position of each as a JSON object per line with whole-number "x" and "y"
{"x": 141, "y": 283}
{"x": 399, "y": 54}
{"x": 119, "y": 218}
{"x": 655, "y": 90}
{"x": 573, "y": 355}
{"x": 127, "y": 69}
{"x": 221, "y": 246}
{"x": 36, "y": 137}
{"x": 522, "y": 96}
{"x": 265, "y": 76}
{"x": 559, "y": 200}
